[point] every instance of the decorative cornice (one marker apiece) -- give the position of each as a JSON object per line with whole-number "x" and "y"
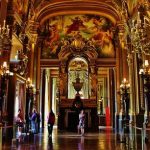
{"x": 76, "y": 7}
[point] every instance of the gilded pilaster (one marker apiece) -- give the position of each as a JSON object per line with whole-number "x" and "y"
{"x": 120, "y": 63}
{"x": 47, "y": 94}
{"x": 63, "y": 80}
{"x": 35, "y": 64}
{"x": 38, "y": 77}
{"x": 93, "y": 80}
{"x": 132, "y": 83}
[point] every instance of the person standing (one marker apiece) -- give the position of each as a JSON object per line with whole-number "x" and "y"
{"x": 51, "y": 121}
{"x": 20, "y": 124}
{"x": 38, "y": 122}
{"x": 33, "y": 121}
{"x": 81, "y": 125}
{"x": 101, "y": 106}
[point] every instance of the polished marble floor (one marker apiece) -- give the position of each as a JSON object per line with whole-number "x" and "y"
{"x": 63, "y": 140}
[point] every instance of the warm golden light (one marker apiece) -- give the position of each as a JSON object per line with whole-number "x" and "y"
{"x": 145, "y": 70}
{"x": 125, "y": 84}
{"x": 146, "y": 63}
{"x": 4, "y": 64}
{"x": 28, "y": 79}
{"x": 141, "y": 71}
{"x": 124, "y": 80}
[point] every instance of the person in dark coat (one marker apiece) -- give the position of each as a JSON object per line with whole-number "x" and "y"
{"x": 51, "y": 121}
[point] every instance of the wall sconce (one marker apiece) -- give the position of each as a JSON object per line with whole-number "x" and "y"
{"x": 124, "y": 88}
{"x": 5, "y": 73}
{"x": 125, "y": 85}
{"x": 125, "y": 101}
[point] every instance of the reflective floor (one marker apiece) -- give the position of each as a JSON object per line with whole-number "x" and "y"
{"x": 102, "y": 140}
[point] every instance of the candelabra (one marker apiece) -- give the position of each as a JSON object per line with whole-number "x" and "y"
{"x": 139, "y": 29}
{"x": 5, "y": 42}
{"x": 5, "y": 73}
{"x": 145, "y": 75}
{"x": 124, "y": 88}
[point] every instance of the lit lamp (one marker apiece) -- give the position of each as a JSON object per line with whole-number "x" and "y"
{"x": 124, "y": 88}
{"x": 5, "y": 73}
{"x": 145, "y": 75}
{"x": 5, "y": 70}
{"x": 145, "y": 70}
{"x": 30, "y": 88}
{"x": 5, "y": 43}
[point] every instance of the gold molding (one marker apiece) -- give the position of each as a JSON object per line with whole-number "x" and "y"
{"x": 72, "y": 7}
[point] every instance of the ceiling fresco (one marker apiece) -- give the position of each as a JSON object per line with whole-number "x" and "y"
{"x": 90, "y": 27}
{"x": 21, "y": 7}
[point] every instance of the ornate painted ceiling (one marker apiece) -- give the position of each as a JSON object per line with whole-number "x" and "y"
{"x": 93, "y": 20}
{"x": 41, "y": 10}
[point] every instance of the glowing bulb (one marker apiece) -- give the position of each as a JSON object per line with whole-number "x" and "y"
{"x": 146, "y": 63}
{"x": 5, "y": 64}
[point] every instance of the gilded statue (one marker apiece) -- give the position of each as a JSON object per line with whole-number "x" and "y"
{"x": 63, "y": 82}
{"x": 93, "y": 82}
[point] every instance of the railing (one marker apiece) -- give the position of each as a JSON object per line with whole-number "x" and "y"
{"x": 142, "y": 133}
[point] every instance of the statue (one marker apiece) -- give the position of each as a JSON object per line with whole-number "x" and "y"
{"x": 63, "y": 82}
{"x": 93, "y": 82}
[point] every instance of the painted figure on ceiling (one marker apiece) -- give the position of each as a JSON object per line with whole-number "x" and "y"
{"x": 103, "y": 39}
{"x": 54, "y": 38}
{"x": 21, "y": 6}
{"x": 107, "y": 45}
{"x": 77, "y": 24}
{"x": 95, "y": 28}
{"x": 18, "y": 6}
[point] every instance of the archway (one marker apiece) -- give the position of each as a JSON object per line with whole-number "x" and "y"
{"x": 78, "y": 67}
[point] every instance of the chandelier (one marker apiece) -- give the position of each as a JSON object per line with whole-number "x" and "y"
{"x": 5, "y": 42}
{"x": 140, "y": 39}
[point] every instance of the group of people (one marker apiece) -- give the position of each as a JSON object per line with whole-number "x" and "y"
{"x": 51, "y": 121}
{"x": 33, "y": 122}
{"x": 81, "y": 125}
{"x": 35, "y": 119}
